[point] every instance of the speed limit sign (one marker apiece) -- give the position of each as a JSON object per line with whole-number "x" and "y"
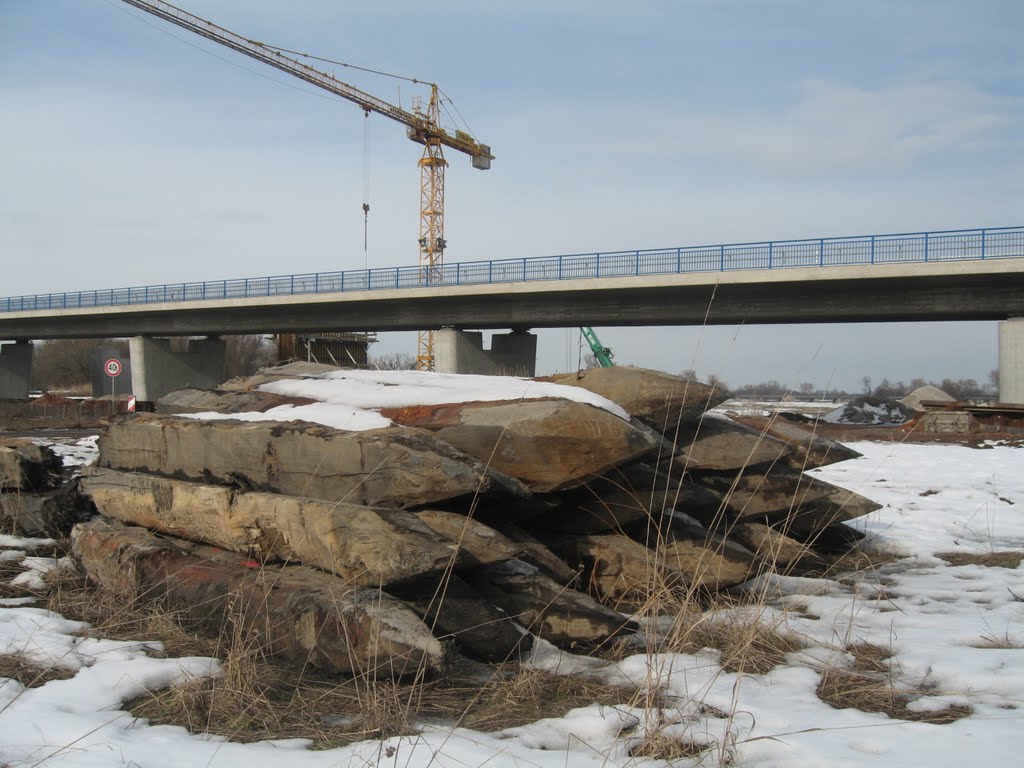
{"x": 112, "y": 367}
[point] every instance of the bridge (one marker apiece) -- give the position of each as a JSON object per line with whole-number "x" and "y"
{"x": 975, "y": 274}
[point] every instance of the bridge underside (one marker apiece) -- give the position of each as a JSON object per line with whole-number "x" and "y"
{"x": 672, "y": 300}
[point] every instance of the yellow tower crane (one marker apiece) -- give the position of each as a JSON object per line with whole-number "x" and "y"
{"x": 423, "y": 125}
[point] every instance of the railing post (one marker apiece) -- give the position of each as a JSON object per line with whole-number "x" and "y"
{"x": 597, "y": 265}
{"x": 771, "y": 253}
{"x": 983, "y": 243}
{"x": 490, "y": 271}
{"x": 396, "y": 277}
{"x": 524, "y": 269}
{"x": 636, "y": 271}
{"x": 721, "y": 258}
{"x": 872, "y": 249}
{"x": 679, "y": 260}
{"x": 926, "y": 246}
{"x": 821, "y": 252}
{"x": 559, "y": 267}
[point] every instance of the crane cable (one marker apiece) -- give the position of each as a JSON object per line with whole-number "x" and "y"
{"x": 454, "y": 113}
{"x": 366, "y": 186}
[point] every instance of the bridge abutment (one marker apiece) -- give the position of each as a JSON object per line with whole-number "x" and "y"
{"x": 511, "y": 354}
{"x": 157, "y": 370}
{"x": 1011, "y": 360}
{"x": 15, "y": 370}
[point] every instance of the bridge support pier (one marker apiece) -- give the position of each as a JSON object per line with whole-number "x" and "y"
{"x": 15, "y": 370}
{"x": 1011, "y": 360}
{"x": 511, "y": 354}
{"x": 156, "y": 370}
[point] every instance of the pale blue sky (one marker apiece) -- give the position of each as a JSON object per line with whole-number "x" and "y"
{"x": 132, "y": 152}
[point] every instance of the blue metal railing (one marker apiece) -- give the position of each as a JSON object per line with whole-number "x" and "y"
{"x": 947, "y": 245}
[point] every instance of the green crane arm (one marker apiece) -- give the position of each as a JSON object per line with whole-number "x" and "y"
{"x": 601, "y": 352}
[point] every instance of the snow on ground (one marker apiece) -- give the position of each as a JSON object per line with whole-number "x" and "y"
{"x": 73, "y": 453}
{"x": 745, "y": 407}
{"x": 353, "y": 399}
{"x": 935, "y": 619}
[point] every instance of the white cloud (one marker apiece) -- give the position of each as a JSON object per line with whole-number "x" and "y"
{"x": 836, "y": 127}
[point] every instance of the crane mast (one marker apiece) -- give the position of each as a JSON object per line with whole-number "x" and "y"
{"x": 423, "y": 125}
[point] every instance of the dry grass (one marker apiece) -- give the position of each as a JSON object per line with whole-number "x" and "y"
{"x": 124, "y": 617}
{"x": 750, "y": 638}
{"x": 869, "y": 692}
{"x": 257, "y": 698}
{"x": 988, "y": 559}
{"x": 857, "y": 559}
{"x": 665, "y": 746}
{"x": 8, "y": 570}
{"x": 1005, "y": 641}
{"x": 17, "y": 666}
{"x": 531, "y": 695}
{"x": 870, "y": 658}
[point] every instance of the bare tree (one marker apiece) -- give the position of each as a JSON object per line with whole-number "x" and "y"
{"x": 247, "y": 354}
{"x": 64, "y": 363}
{"x": 393, "y": 361}
{"x": 717, "y": 383}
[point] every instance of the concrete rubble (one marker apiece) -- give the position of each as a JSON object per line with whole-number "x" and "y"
{"x": 465, "y": 528}
{"x": 36, "y": 499}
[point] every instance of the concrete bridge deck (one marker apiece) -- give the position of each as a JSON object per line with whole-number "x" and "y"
{"x": 952, "y": 275}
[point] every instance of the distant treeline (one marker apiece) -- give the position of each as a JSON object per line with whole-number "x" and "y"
{"x": 960, "y": 389}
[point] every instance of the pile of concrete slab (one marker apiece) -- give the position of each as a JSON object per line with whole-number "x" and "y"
{"x": 37, "y": 498}
{"x": 467, "y": 527}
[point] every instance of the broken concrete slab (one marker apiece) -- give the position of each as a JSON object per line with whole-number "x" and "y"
{"x": 719, "y": 444}
{"x": 365, "y": 546}
{"x": 563, "y": 616}
{"x": 764, "y": 495}
{"x": 394, "y": 467}
{"x": 456, "y": 612}
{"x": 660, "y": 400}
{"x": 708, "y": 560}
{"x": 810, "y": 448}
{"x": 299, "y": 613}
{"x": 548, "y": 444}
{"x": 26, "y": 466}
{"x": 479, "y": 544}
{"x": 537, "y": 554}
{"x": 48, "y": 513}
{"x": 769, "y": 545}
{"x": 297, "y": 369}
{"x": 216, "y": 401}
{"x": 618, "y": 568}
{"x": 624, "y": 498}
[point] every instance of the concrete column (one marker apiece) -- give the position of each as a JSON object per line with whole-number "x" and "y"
{"x": 511, "y": 354}
{"x": 15, "y": 370}
{"x": 156, "y": 370}
{"x": 1011, "y": 361}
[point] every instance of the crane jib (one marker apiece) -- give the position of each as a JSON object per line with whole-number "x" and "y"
{"x": 420, "y": 127}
